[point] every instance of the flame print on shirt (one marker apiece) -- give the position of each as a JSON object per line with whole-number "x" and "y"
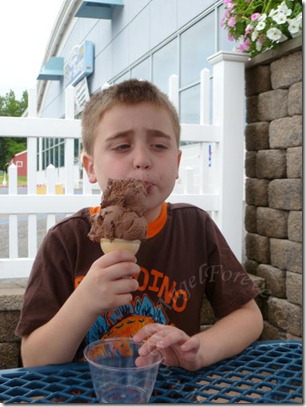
{"x": 127, "y": 320}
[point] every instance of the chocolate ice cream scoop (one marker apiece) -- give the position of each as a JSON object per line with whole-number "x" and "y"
{"x": 117, "y": 222}
{"x": 121, "y": 219}
{"x": 127, "y": 193}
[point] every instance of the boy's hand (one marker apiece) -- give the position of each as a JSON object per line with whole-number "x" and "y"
{"x": 177, "y": 347}
{"x": 109, "y": 282}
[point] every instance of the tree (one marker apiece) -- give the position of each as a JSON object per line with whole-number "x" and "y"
{"x": 11, "y": 107}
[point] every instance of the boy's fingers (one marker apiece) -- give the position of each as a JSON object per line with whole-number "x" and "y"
{"x": 125, "y": 286}
{"x": 160, "y": 337}
{"x": 147, "y": 331}
{"x": 172, "y": 338}
{"x": 192, "y": 344}
{"x": 115, "y": 257}
{"x": 117, "y": 271}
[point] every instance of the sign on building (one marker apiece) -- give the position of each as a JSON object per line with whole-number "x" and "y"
{"x": 80, "y": 63}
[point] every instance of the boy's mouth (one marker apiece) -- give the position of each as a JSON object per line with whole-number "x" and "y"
{"x": 149, "y": 187}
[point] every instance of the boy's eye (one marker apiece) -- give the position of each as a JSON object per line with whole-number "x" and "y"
{"x": 121, "y": 147}
{"x": 159, "y": 146}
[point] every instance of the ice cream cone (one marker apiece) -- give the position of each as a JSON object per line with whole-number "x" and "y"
{"x": 108, "y": 245}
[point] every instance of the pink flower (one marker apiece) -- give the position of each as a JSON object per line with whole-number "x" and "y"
{"x": 226, "y": 14}
{"x": 230, "y": 37}
{"x": 231, "y": 22}
{"x": 245, "y": 46}
{"x": 227, "y": 1}
{"x": 255, "y": 16}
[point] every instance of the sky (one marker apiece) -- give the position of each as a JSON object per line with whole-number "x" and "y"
{"x": 25, "y": 30}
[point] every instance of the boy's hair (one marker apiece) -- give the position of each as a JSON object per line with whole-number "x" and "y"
{"x": 129, "y": 92}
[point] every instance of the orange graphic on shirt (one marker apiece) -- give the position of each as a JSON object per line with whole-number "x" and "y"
{"x": 128, "y": 326}
{"x": 126, "y": 320}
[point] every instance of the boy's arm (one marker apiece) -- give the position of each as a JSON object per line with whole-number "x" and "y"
{"x": 228, "y": 337}
{"x": 105, "y": 287}
{"x": 58, "y": 340}
{"x": 231, "y": 334}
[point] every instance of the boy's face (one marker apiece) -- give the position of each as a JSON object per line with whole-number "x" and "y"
{"x": 136, "y": 141}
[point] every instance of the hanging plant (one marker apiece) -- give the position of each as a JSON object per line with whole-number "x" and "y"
{"x": 261, "y": 25}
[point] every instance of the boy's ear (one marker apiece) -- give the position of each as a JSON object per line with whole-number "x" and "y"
{"x": 179, "y": 156}
{"x": 88, "y": 164}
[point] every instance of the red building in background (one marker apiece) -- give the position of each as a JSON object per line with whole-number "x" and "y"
{"x": 21, "y": 162}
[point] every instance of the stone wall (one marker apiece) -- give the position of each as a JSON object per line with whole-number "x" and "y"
{"x": 273, "y": 166}
{"x": 11, "y": 297}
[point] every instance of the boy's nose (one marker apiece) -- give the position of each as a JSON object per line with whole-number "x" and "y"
{"x": 142, "y": 159}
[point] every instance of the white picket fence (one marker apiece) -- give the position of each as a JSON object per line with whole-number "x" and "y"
{"x": 211, "y": 175}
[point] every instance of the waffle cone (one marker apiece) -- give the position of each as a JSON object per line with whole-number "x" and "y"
{"x": 108, "y": 245}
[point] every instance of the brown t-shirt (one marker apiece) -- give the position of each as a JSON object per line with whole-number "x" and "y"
{"x": 184, "y": 259}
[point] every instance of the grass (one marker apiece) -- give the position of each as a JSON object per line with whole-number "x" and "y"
{"x": 21, "y": 181}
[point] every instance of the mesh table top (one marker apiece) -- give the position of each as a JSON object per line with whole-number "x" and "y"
{"x": 266, "y": 372}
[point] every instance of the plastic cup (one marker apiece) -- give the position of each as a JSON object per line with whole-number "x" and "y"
{"x": 119, "y": 374}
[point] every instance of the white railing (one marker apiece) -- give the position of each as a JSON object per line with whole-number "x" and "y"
{"x": 211, "y": 175}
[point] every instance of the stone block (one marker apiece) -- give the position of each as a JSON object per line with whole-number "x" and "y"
{"x": 287, "y": 70}
{"x": 271, "y": 333}
{"x": 295, "y": 226}
{"x": 272, "y": 222}
{"x": 295, "y": 162}
{"x": 295, "y": 319}
{"x": 259, "y": 282}
{"x": 11, "y": 294}
{"x": 291, "y": 337}
{"x": 252, "y": 109}
{"x": 250, "y": 266}
{"x": 250, "y": 219}
{"x": 272, "y": 105}
{"x": 257, "y": 248}
{"x": 257, "y": 136}
{"x": 257, "y": 80}
{"x": 256, "y": 192}
{"x": 250, "y": 164}
{"x": 264, "y": 307}
{"x": 287, "y": 132}
{"x": 9, "y": 352}
{"x": 278, "y": 312}
{"x": 275, "y": 280}
{"x": 271, "y": 164}
{"x": 207, "y": 314}
{"x": 295, "y": 99}
{"x": 285, "y": 194}
{"x": 286, "y": 255}
{"x": 294, "y": 283}
{"x": 8, "y": 323}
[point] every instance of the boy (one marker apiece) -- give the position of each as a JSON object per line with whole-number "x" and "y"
{"x": 77, "y": 295}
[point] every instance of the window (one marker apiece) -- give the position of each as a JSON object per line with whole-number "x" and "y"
{"x": 122, "y": 78}
{"x": 53, "y": 152}
{"x": 142, "y": 70}
{"x": 224, "y": 43}
{"x": 185, "y": 55}
{"x": 197, "y": 44}
{"x": 190, "y": 105}
{"x": 164, "y": 65}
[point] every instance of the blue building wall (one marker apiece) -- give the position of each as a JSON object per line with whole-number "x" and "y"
{"x": 147, "y": 39}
